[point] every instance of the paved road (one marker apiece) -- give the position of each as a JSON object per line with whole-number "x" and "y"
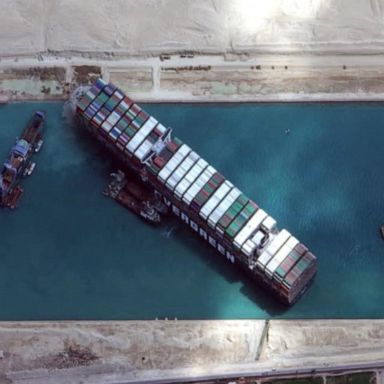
{"x": 324, "y": 369}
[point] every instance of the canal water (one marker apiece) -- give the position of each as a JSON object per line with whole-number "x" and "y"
{"x": 70, "y": 253}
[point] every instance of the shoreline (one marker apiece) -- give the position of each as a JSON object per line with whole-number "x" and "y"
{"x": 185, "y": 351}
{"x": 201, "y": 79}
{"x": 217, "y": 102}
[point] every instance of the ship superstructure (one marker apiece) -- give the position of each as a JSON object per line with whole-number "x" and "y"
{"x": 197, "y": 193}
{"x": 18, "y": 163}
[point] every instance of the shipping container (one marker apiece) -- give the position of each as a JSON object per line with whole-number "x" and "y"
{"x": 198, "y": 184}
{"x": 287, "y": 264}
{"x": 141, "y": 135}
{"x": 174, "y": 161}
{"x": 298, "y": 269}
{"x": 215, "y": 199}
{"x": 190, "y": 177}
{"x": 219, "y": 211}
{"x": 241, "y": 219}
{"x": 181, "y": 170}
{"x": 281, "y": 255}
{"x": 249, "y": 228}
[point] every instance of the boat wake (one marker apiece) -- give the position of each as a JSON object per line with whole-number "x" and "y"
{"x": 167, "y": 233}
{"x": 69, "y": 107}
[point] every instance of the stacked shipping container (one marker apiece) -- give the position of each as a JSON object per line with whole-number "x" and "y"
{"x": 196, "y": 192}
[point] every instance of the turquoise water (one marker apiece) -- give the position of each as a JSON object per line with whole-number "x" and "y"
{"x": 70, "y": 253}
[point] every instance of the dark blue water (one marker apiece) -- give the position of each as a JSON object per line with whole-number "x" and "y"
{"x": 70, "y": 253}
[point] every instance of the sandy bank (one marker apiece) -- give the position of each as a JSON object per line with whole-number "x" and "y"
{"x": 183, "y": 50}
{"x": 147, "y": 27}
{"x": 129, "y": 351}
{"x": 201, "y": 78}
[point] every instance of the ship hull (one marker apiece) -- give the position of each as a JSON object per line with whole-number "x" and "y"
{"x": 195, "y": 223}
{"x": 197, "y": 194}
{"x": 19, "y": 160}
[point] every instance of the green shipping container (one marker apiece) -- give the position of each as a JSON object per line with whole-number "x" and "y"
{"x": 241, "y": 219}
{"x": 232, "y": 211}
{"x": 102, "y": 98}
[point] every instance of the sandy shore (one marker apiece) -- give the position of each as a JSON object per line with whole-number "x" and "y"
{"x": 183, "y": 50}
{"x": 201, "y": 78}
{"x": 93, "y": 352}
{"x": 153, "y": 27}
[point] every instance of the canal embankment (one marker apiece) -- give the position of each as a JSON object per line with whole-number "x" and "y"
{"x": 182, "y": 351}
{"x": 195, "y": 51}
{"x": 199, "y": 78}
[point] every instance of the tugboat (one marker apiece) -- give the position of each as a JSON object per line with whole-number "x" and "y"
{"x": 132, "y": 196}
{"x": 19, "y": 164}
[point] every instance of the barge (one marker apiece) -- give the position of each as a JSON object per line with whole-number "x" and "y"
{"x": 19, "y": 162}
{"x": 132, "y": 196}
{"x": 197, "y": 193}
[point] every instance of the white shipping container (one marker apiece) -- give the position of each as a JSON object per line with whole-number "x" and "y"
{"x": 219, "y": 211}
{"x": 141, "y": 134}
{"x": 186, "y": 164}
{"x": 118, "y": 94}
{"x": 292, "y": 242}
{"x": 113, "y": 118}
{"x": 190, "y": 177}
{"x": 263, "y": 259}
{"x": 181, "y": 170}
{"x": 248, "y": 229}
{"x": 143, "y": 150}
{"x": 269, "y": 224}
{"x": 173, "y": 162}
{"x": 124, "y": 106}
{"x": 106, "y": 126}
{"x": 248, "y": 247}
{"x": 195, "y": 171}
{"x": 161, "y": 128}
{"x": 198, "y": 184}
{"x": 215, "y": 199}
{"x": 281, "y": 255}
{"x": 181, "y": 187}
{"x": 278, "y": 241}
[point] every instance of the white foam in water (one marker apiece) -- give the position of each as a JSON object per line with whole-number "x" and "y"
{"x": 168, "y": 231}
{"x": 69, "y": 107}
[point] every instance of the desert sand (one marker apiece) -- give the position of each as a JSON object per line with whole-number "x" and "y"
{"x": 117, "y": 352}
{"x": 150, "y": 27}
{"x": 203, "y": 50}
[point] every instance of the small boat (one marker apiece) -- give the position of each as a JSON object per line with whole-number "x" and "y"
{"x": 140, "y": 208}
{"x": 132, "y": 196}
{"x": 39, "y": 145}
{"x": 28, "y": 171}
{"x": 382, "y": 231}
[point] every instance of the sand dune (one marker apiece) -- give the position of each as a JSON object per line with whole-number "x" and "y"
{"x": 152, "y": 26}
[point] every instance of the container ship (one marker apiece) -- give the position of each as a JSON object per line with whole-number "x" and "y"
{"x": 197, "y": 193}
{"x": 19, "y": 162}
